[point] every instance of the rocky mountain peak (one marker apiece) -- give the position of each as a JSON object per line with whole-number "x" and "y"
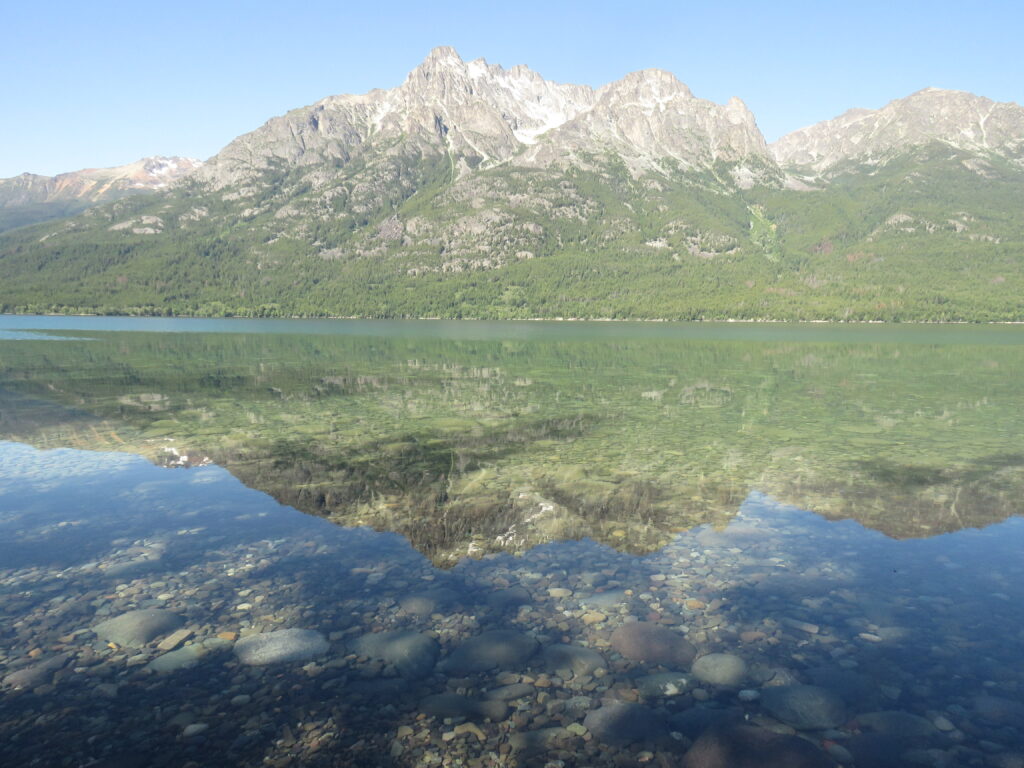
{"x": 441, "y": 63}
{"x": 651, "y": 88}
{"x": 958, "y": 118}
{"x": 488, "y": 115}
{"x": 650, "y": 117}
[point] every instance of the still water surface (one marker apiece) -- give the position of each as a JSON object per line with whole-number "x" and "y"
{"x": 517, "y": 539}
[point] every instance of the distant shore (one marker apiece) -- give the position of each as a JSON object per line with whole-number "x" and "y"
{"x": 731, "y": 320}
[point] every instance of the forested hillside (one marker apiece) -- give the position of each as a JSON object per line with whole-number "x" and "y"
{"x": 475, "y": 192}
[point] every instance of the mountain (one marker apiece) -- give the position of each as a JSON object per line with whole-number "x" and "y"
{"x": 30, "y": 198}
{"x": 957, "y": 119}
{"x": 470, "y": 190}
{"x": 484, "y": 116}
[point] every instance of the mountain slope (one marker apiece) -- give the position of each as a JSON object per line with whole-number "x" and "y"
{"x": 959, "y": 119}
{"x": 474, "y": 191}
{"x": 30, "y": 198}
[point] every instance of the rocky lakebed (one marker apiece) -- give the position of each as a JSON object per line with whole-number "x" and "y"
{"x": 192, "y": 635}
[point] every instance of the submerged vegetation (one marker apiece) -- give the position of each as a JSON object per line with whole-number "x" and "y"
{"x": 470, "y": 446}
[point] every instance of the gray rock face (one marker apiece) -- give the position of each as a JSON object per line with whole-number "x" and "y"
{"x": 409, "y": 652}
{"x": 281, "y": 646}
{"x": 445, "y": 104}
{"x": 650, "y": 115}
{"x": 501, "y": 649}
{"x": 456, "y": 705}
{"x": 654, "y": 644}
{"x": 722, "y": 669}
{"x": 573, "y": 658}
{"x": 477, "y": 110}
{"x": 137, "y": 628}
{"x": 619, "y": 723}
{"x": 805, "y": 707}
{"x": 745, "y": 746}
{"x": 954, "y": 117}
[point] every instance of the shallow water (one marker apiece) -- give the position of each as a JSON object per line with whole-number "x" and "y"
{"x": 834, "y": 506}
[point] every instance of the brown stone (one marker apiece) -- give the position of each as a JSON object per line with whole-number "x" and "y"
{"x": 174, "y": 639}
{"x": 653, "y": 644}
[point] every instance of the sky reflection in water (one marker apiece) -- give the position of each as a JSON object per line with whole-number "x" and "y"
{"x": 924, "y": 626}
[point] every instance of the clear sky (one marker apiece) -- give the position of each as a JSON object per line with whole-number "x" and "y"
{"x": 91, "y": 84}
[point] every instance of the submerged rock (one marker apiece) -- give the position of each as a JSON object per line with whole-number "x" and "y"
{"x": 280, "y": 646}
{"x": 528, "y": 744}
{"x": 746, "y": 746}
{"x": 183, "y": 658}
{"x": 187, "y": 656}
{"x": 857, "y": 690}
{"x": 805, "y": 707}
{"x": 619, "y": 723}
{"x": 457, "y": 705}
{"x": 412, "y": 654}
{"x": 36, "y": 674}
{"x": 696, "y": 720}
{"x": 898, "y": 723}
{"x": 573, "y": 658}
{"x": 654, "y": 644}
{"x": 722, "y": 669}
{"x": 137, "y": 628}
{"x": 423, "y": 604}
{"x": 663, "y": 684}
{"x": 508, "y": 599}
{"x": 606, "y": 600}
{"x": 510, "y": 692}
{"x": 998, "y": 710}
{"x": 500, "y": 648}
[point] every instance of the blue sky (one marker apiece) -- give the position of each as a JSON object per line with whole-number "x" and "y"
{"x": 104, "y": 83}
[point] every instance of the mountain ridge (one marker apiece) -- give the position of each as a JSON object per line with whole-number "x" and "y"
{"x": 53, "y": 196}
{"x": 957, "y": 117}
{"x": 469, "y": 190}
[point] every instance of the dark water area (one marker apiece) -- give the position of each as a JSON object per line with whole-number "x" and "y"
{"x": 521, "y": 544}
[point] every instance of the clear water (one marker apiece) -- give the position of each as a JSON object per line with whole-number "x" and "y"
{"x": 836, "y": 506}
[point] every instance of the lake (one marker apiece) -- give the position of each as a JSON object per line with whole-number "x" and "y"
{"x": 240, "y": 543}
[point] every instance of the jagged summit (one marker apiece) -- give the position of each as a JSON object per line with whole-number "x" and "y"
{"x": 482, "y": 115}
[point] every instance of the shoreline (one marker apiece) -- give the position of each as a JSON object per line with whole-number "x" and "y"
{"x": 730, "y": 320}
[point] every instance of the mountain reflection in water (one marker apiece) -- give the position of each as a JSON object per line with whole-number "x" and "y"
{"x": 468, "y": 446}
